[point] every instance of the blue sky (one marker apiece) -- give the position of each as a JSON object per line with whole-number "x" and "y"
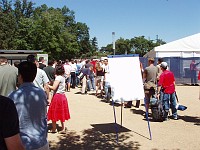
{"x": 169, "y": 19}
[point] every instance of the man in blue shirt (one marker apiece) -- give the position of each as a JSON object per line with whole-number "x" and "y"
{"x": 86, "y": 72}
{"x": 31, "y": 103}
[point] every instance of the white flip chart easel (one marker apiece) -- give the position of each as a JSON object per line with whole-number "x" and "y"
{"x": 126, "y": 81}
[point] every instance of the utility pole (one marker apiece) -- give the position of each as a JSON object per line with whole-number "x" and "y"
{"x": 113, "y": 42}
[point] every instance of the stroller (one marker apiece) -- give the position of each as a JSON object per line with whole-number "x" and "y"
{"x": 156, "y": 108}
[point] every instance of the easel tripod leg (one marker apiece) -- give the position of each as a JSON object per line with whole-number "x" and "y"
{"x": 147, "y": 118}
{"x": 116, "y": 128}
{"x": 121, "y": 113}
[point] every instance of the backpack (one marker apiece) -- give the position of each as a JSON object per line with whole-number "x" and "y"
{"x": 156, "y": 109}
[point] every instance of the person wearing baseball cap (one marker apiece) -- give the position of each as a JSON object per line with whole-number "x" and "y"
{"x": 166, "y": 89}
{"x": 163, "y": 65}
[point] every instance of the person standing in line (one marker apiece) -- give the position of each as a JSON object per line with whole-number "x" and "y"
{"x": 41, "y": 63}
{"x": 85, "y": 72}
{"x": 50, "y": 71}
{"x": 92, "y": 76}
{"x": 160, "y": 60}
{"x": 68, "y": 69}
{"x": 78, "y": 66}
{"x": 90, "y": 81}
{"x": 193, "y": 70}
{"x": 16, "y": 64}
{"x": 106, "y": 80}
{"x": 31, "y": 104}
{"x": 58, "y": 109}
{"x": 73, "y": 73}
{"x": 9, "y": 127}
{"x": 150, "y": 80}
{"x": 8, "y": 77}
{"x": 87, "y": 65}
{"x": 99, "y": 78}
{"x": 166, "y": 85}
{"x": 102, "y": 62}
{"x": 54, "y": 63}
{"x": 41, "y": 80}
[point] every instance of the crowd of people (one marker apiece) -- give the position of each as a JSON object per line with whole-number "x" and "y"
{"x": 159, "y": 81}
{"x": 90, "y": 74}
{"x": 26, "y": 91}
{"x": 29, "y": 87}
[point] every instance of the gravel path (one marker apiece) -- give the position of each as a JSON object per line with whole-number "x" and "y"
{"x": 92, "y": 125}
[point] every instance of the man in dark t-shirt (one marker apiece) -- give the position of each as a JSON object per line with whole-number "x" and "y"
{"x": 9, "y": 125}
{"x": 50, "y": 71}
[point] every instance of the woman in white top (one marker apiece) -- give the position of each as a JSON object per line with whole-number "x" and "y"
{"x": 58, "y": 109}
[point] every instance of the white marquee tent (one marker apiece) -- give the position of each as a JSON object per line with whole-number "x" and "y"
{"x": 185, "y": 47}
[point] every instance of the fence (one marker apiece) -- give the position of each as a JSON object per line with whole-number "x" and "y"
{"x": 179, "y": 66}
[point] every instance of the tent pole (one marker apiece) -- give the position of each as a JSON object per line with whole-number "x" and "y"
{"x": 147, "y": 118}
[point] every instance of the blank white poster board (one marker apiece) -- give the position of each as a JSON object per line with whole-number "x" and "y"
{"x": 125, "y": 79}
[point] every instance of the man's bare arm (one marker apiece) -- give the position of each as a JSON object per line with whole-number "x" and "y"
{"x": 14, "y": 143}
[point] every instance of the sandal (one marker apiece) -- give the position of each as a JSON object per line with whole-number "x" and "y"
{"x": 64, "y": 131}
{"x": 52, "y": 131}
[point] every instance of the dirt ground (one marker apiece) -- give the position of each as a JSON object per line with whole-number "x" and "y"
{"x": 92, "y": 125}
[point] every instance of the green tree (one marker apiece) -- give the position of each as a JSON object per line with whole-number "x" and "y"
{"x": 122, "y": 46}
{"x": 69, "y": 17}
{"x": 81, "y": 31}
{"x": 137, "y": 45}
{"x": 94, "y": 44}
{"x": 53, "y": 36}
{"x": 23, "y": 8}
{"x": 25, "y": 35}
{"x": 7, "y": 25}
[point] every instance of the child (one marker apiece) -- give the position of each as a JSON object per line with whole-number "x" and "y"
{"x": 58, "y": 109}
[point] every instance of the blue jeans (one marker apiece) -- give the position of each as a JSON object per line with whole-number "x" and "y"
{"x": 106, "y": 86}
{"x": 92, "y": 79}
{"x": 193, "y": 77}
{"x": 77, "y": 79}
{"x": 73, "y": 79}
{"x": 91, "y": 84}
{"x": 169, "y": 100}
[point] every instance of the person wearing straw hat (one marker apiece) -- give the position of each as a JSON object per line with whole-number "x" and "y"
{"x": 150, "y": 79}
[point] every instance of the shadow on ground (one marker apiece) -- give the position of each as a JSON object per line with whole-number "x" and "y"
{"x": 101, "y": 136}
{"x": 78, "y": 93}
{"x": 138, "y": 111}
{"x": 195, "y": 120}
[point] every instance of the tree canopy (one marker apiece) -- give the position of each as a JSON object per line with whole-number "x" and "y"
{"x": 56, "y": 32}
{"x": 137, "y": 45}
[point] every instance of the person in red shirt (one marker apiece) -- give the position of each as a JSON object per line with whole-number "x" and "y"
{"x": 166, "y": 91}
{"x": 193, "y": 70}
{"x": 92, "y": 76}
{"x": 93, "y": 62}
